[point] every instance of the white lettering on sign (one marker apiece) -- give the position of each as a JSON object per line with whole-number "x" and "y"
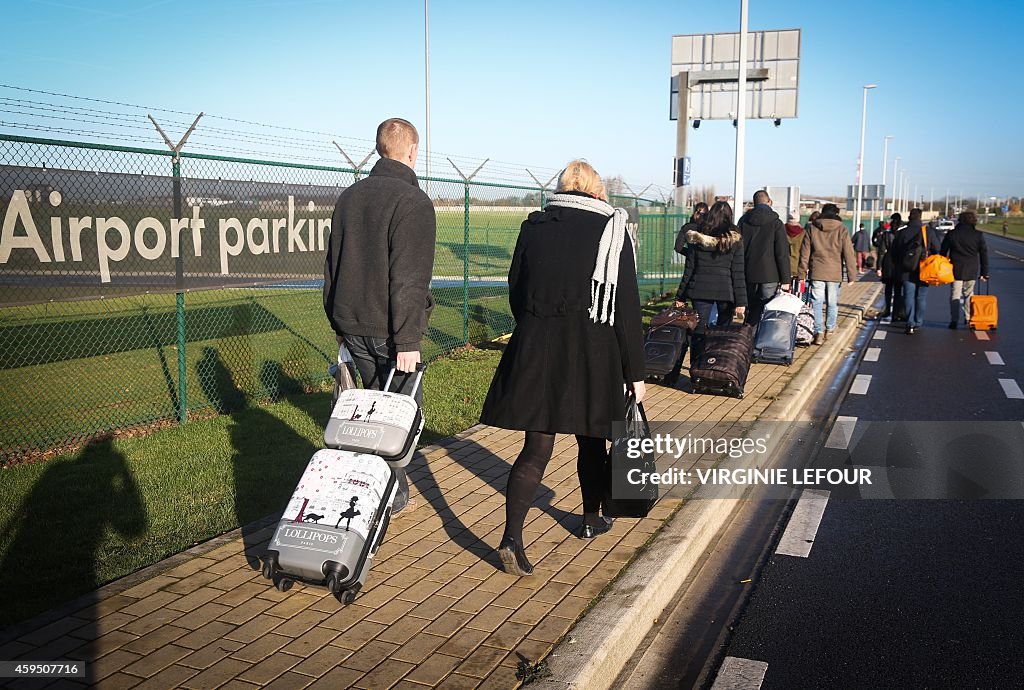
{"x": 9, "y": 241}
{"x": 151, "y": 238}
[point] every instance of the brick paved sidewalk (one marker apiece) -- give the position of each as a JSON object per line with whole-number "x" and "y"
{"x": 437, "y": 611}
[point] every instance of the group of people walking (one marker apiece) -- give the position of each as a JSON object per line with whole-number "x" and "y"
{"x": 901, "y": 248}
{"x": 735, "y": 269}
{"x": 577, "y": 349}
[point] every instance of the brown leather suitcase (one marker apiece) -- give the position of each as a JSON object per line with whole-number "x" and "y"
{"x": 724, "y": 364}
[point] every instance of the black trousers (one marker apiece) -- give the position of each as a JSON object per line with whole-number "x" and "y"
{"x": 528, "y": 471}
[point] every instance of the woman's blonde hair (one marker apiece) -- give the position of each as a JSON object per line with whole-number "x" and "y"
{"x": 580, "y": 176}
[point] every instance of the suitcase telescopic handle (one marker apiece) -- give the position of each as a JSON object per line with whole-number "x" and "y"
{"x": 420, "y": 368}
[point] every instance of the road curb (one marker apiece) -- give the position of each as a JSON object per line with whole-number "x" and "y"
{"x": 604, "y": 640}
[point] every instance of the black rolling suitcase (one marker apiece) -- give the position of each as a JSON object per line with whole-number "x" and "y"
{"x": 663, "y": 348}
{"x": 776, "y": 333}
{"x": 666, "y": 341}
{"x": 723, "y": 366}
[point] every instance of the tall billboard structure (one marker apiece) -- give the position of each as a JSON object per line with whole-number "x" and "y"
{"x": 705, "y": 81}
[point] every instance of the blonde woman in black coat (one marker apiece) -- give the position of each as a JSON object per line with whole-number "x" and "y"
{"x": 714, "y": 273}
{"x": 576, "y": 348}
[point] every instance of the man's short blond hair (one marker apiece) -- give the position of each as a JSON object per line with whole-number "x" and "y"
{"x": 580, "y": 176}
{"x": 395, "y": 136}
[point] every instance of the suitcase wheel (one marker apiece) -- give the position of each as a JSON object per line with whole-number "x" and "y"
{"x": 333, "y": 583}
{"x": 283, "y": 584}
{"x": 349, "y": 595}
{"x": 270, "y": 565}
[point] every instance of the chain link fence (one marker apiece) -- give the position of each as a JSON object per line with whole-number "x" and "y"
{"x": 142, "y": 289}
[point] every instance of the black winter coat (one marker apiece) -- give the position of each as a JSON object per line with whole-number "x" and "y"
{"x": 765, "y": 246}
{"x": 909, "y": 244}
{"x": 714, "y": 269}
{"x": 380, "y": 256}
{"x": 965, "y": 246}
{"x": 886, "y": 262}
{"x": 561, "y": 372}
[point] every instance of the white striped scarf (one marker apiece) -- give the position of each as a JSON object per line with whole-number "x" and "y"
{"x": 604, "y": 281}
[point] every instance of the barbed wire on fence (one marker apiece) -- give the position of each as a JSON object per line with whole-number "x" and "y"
{"x": 53, "y": 112}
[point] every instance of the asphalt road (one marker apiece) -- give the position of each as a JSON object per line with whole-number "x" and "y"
{"x": 921, "y": 589}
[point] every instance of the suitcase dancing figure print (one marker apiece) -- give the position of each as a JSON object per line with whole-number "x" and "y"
{"x": 340, "y": 511}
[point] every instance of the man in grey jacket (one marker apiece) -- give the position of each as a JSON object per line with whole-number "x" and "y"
{"x": 378, "y": 268}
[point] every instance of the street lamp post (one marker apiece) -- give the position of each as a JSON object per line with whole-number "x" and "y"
{"x": 426, "y": 79}
{"x": 860, "y": 158}
{"x": 899, "y": 194}
{"x": 741, "y": 113}
{"x": 895, "y": 166}
{"x": 885, "y": 161}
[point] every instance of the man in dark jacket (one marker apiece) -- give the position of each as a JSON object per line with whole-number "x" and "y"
{"x": 765, "y": 253}
{"x": 883, "y": 239}
{"x": 908, "y": 250}
{"x": 378, "y": 268}
{"x": 965, "y": 246}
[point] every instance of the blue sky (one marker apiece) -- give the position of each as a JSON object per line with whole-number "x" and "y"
{"x": 539, "y": 83}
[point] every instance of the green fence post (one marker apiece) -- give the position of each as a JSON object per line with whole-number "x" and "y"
{"x": 666, "y": 233}
{"x": 179, "y": 297}
{"x": 465, "y": 271}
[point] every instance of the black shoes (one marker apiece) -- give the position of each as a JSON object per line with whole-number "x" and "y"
{"x": 591, "y": 531}
{"x": 952, "y": 325}
{"x": 911, "y": 330}
{"x": 513, "y": 558}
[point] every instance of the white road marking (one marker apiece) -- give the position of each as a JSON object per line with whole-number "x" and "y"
{"x": 842, "y": 432}
{"x": 1009, "y": 256}
{"x": 981, "y": 335}
{"x": 994, "y": 358}
{"x": 740, "y": 674}
{"x": 803, "y": 524}
{"x": 860, "y": 384}
{"x": 872, "y": 354}
{"x": 879, "y": 335}
{"x": 1012, "y": 389}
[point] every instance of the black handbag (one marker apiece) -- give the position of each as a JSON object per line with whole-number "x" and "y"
{"x": 626, "y": 498}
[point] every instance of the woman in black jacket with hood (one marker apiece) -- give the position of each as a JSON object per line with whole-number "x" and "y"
{"x": 714, "y": 272}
